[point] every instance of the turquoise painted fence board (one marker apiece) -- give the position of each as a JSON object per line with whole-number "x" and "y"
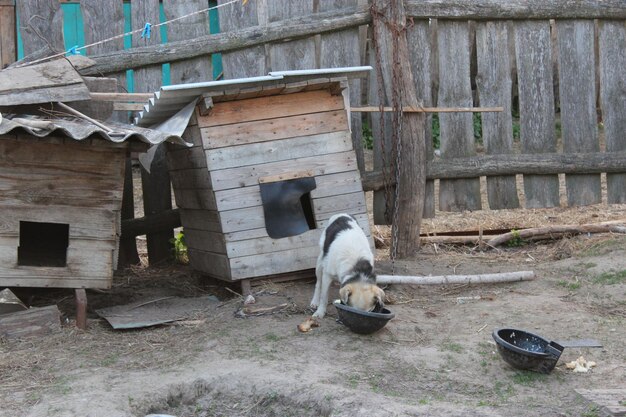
{"x": 74, "y": 36}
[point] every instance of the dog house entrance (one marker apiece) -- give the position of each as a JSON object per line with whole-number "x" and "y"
{"x": 287, "y": 206}
{"x": 43, "y": 244}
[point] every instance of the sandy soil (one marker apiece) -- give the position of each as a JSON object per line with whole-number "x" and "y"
{"x": 436, "y": 358}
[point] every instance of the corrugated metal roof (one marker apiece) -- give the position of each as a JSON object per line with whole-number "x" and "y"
{"x": 79, "y": 129}
{"x": 170, "y": 99}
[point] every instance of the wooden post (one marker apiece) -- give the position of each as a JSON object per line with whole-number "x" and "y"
{"x": 81, "y": 308}
{"x": 8, "y": 41}
{"x": 389, "y": 19}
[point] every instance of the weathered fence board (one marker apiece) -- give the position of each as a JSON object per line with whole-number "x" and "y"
{"x": 249, "y": 62}
{"x": 457, "y": 138}
{"x": 341, "y": 49}
{"x": 612, "y": 44}
{"x": 41, "y": 25}
{"x": 291, "y": 55}
{"x": 8, "y": 41}
{"x": 493, "y": 80}
{"x": 420, "y": 53}
{"x": 576, "y": 59}
{"x": 536, "y": 102}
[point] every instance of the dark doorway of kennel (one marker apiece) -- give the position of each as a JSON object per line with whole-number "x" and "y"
{"x": 43, "y": 244}
{"x": 287, "y": 205}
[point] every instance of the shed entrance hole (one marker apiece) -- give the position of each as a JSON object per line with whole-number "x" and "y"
{"x": 287, "y": 207}
{"x": 43, "y": 244}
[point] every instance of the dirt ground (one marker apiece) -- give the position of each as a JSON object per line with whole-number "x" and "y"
{"x": 436, "y": 357}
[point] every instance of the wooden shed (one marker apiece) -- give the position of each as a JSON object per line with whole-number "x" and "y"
{"x": 272, "y": 161}
{"x": 60, "y": 200}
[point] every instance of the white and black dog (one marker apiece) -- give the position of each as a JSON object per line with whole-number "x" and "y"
{"x": 346, "y": 257}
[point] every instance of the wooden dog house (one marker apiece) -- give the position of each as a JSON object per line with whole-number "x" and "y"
{"x": 272, "y": 161}
{"x": 60, "y": 200}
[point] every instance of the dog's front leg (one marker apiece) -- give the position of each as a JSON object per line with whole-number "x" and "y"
{"x": 323, "y": 300}
{"x": 315, "y": 301}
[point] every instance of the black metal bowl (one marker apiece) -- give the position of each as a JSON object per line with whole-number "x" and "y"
{"x": 362, "y": 322}
{"x": 527, "y": 351}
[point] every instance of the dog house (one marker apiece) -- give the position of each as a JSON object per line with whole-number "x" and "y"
{"x": 272, "y": 160}
{"x": 60, "y": 200}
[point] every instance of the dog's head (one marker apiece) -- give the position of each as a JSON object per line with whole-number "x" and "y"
{"x": 362, "y": 295}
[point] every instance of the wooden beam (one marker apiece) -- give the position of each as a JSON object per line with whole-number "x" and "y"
{"x": 516, "y": 9}
{"x": 164, "y": 221}
{"x": 297, "y": 28}
{"x": 125, "y": 97}
{"x": 407, "y": 109}
{"x": 491, "y": 165}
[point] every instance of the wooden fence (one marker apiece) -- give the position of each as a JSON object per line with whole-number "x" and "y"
{"x": 508, "y": 53}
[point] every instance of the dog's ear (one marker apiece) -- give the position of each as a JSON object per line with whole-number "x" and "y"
{"x": 344, "y": 293}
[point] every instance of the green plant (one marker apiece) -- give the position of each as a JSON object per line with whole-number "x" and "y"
{"x": 592, "y": 411}
{"x": 180, "y": 248}
{"x": 516, "y": 240}
{"x": 527, "y": 378}
{"x": 436, "y": 130}
{"x": 477, "y": 123}
{"x": 572, "y": 286}
{"x": 367, "y": 135}
{"x": 452, "y": 347}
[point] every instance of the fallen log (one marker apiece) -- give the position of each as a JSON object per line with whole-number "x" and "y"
{"x": 456, "y": 279}
{"x": 617, "y": 226}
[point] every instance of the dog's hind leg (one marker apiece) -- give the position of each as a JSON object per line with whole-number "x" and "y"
{"x": 323, "y": 300}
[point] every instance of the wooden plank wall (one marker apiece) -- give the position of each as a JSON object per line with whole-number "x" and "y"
{"x": 8, "y": 41}
{"x": 78, "y": 183}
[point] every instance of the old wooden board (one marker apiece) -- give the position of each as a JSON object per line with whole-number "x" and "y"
{"x": 200, "y": 219}
{"x": 149, "y": 78}
{"x": 341, "y": 49}
{"x": 250, "y": 133}
{"x": 41, "y": 83}
{"x": 213, "y": 264}
{"x": 251, "y": 61}
{"x": 421, "y": 53}
{"x": 103, "y": 19}
{"x": 457, "y": 138}
{"x": 612, "y": 44}
{"x": 327, "y": 185}
{"x": 536, "y": 102}
{"x": 232, "y": 112}
{"x": 577, "y": 90}
{"x": 195, "y": 69}
{"x": 196, "y": 178}
{"x": 610, "y": 401}
{"x": 41, "y": 25}
{"x": 8, "y": 40}
{"x": 36, "y": 321}
{"x": 296, "y": 54}
{"x": 493, "y": 81}
{"x": 248, "y": 175}
{"x": 279, "y": 150}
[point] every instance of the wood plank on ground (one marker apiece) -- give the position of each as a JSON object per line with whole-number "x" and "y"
{"x": 533, "y": 54}
{"x": 457, "y": 133}
{"x": 493, "y": 81}
{"x": 272, "y": 129}
{"x": 34, "y": 322}
{"x": 577, "y": 91}
{"x": 612, "y": 44}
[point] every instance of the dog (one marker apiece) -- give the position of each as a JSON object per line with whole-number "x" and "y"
{"x": 345, "y": 256}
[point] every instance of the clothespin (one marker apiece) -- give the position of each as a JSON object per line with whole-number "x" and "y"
{"x": 73, "y": 50}
{"x": 243, "y": 3}
{"x": 146, "y": 31}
